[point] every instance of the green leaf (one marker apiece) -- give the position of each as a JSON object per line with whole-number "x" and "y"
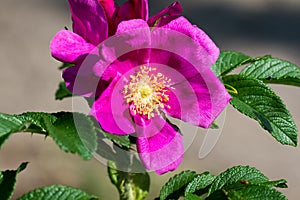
{"x": 9, "y": 124}
{"x": 123, "y": 141}
{"x": 236, "y": 174}
{"x": 217, "y": 195}
{"x": 3, "y": 139}
{"x": 274, "y": 70}
{"x": 1, "y": 177}
{"x": 256, "y": 100}
{"x": 214, "y": 125}
{"x": 73, "y": 132}
{"x": 201, "y": 181}
{"x": 256, "y": 192}
{"x": 228, "y": 61}
{"x": 62, "y": 92}
{"x": 65, "y": 65}
{"x": 174, "y": 188}
{"x": 35, "y": 121}
{"x": 26, "y": 122}
{"x": 279, "y": 183}
{"x": 239, "y": 182}
{"x": 190, "y": 196}
{"x": 8, "y": 182}
{"x": 60, "y": 192}
{"x": 131, "y": 186}
{"x": 243, "y": 183}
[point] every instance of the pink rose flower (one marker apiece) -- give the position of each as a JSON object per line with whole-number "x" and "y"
{"x": 142, "y": 74}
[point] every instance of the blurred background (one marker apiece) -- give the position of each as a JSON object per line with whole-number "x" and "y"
{"x": 29, "y": 78}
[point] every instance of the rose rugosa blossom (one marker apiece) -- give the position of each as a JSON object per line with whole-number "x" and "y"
{"x": 162, "y": 74}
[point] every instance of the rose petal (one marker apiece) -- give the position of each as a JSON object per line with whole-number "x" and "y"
{"x": 81, "y": 80}
{"x": 126, "y": 27}
{"x": 198, "y": 97}
{"x": 111, "y": 9}
{"x": 67, "y": 46}
{"x": 130, "y": 36}
{"x": 182, "y": 25}
{"x": 198, "y": 100}
{"x": 171, "y": 43}
{"x": 111, "y": 111}
{"x": 89, "y": 20}
{"x": 128, "y": 63}
{"x": 166, "y": 15}
{"x": 132, "y": 9}
{"x": 159, "y": 145}
{"x": 174, "y": 66}
{"x": 133, "y": 39}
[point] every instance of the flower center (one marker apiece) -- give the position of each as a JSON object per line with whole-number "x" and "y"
{"x": 146, "y": 92}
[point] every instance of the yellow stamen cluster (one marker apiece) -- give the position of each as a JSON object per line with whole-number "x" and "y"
{"x": 146, "y": 92}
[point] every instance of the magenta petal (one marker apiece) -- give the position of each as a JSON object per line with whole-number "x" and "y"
{"x": 217, "y": 95}
{"x": 198, "y": 100}
{"x": 182, "y": 25}
{"x": 133, "y": 39}
{"x": 166, "y": 15}
{"x": 111, "y": 9}
{"x": 127, "y": 27}
{"x": 159, "y": 145}
{"x": 134, "y": 9}
{"x": 124, "y": 64}
{"x": 142, "y": 9}
{"x": 67, "y": 46}
{"x": 81, "y": 80}
{"x": 70, "y": 75}
{"x": 111, "y": 111}
{"x": 89, "y": 20}
{"x": 130, "y": 36}
{"x": 198, "y": 96}
{"x": 169, "y": 46}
